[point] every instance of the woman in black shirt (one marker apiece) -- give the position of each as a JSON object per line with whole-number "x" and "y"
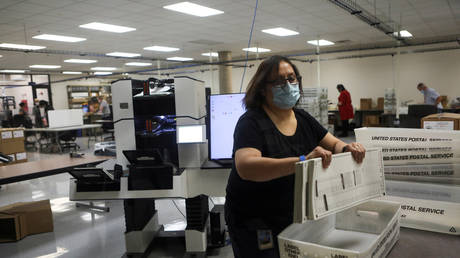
{"x": 268, "y": 140}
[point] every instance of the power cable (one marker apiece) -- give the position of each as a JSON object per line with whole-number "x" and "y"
{"x": 249, "y": 44}
{"x": 132, "y": 118}
{"x": 177, "y": 207}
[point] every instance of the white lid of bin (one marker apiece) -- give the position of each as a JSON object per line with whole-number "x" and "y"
{"x": 321, "y": 192}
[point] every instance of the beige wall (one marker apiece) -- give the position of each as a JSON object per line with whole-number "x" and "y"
{"x": 364, "y": 77}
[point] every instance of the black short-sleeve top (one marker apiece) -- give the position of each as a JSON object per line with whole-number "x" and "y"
{"x": 254, "y": 129}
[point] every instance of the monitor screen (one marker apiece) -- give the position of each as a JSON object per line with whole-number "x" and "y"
{"x": 224, "y": 112}
{"x": 85, "y": 108}
{"x": 191, "y": 133}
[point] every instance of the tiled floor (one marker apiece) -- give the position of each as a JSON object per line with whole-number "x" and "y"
{"x": 79, "y": 232}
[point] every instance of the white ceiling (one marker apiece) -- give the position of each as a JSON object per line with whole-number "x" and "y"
{"x": 21, "y": 20}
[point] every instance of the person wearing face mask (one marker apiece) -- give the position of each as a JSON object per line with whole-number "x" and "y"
{"x": 269, "y": 138}
{"x": 431, "y": 97}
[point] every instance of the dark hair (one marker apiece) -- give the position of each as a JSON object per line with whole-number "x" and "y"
{"x": 94, "y": 100}
{"x": 255, "y": 96}
{"x": 340, "y": 87}
{"x": 22, "y": 104}
{"x": 420, "y": 84}
{"x": 43, "y": 103}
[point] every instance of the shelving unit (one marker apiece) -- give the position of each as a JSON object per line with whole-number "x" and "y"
{"x": 81, "y": 95}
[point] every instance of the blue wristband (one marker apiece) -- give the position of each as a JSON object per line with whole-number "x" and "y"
{"x": 302, "y": 158}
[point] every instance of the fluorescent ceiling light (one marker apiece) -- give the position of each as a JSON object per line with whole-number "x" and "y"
{"x": 80, "y": 61}
{"x": 178, "y": 58}
{"x": 45, "y": 66}
{"x": 321, "y": 42}
{"x": 138, "y": 64}
{"x": 213, "y": 54}
{"x": 405, "y": 34}
{"x": 12, "y": 71}
{"x": 58, "y": 38}
{"x": 20, "y": 46}
{"x": 161, "y": 48}
{"x": 1, "y": 56}
{"x": 102, "y": 68}
{"x": 106, "y": 27}
{"x": 282, "y": 32}
{"x": 70, "y": 72}
{"x": 193, "y": 9}
{"x": 123, "y": 54}
{"x": 256, "y": 49}
{"x": 102, "y": 73}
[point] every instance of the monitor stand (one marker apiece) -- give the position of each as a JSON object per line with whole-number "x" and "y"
{"x": 224, "y": 162}
{"x": 217, "y": 164}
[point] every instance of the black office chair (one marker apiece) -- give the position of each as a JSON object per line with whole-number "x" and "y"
{"x": 30, "y": 138}
{"x": 67, "y": 141}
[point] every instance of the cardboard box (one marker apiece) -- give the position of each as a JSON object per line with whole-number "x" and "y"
{"x": 21, "y": 219}
{"x": 444, "y": 101}
{"x": 11, "y": 134}
{"x": 371, "y": 121}
{"x": 6, "y": 134}
{"x": 442, "y": 121}
{"x": 380, "y": 103}
{"x": 11, "y": 147}
{"x": 21, "y": 157}
{"x": 365, "y": 104}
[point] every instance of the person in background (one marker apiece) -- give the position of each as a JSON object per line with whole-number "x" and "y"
{"x": 41, "y": 114}
{"x": 22, "y": 119}
{"x": 23, "y": 109}
{"x": 93, "y": 106}
{"x": 431, "y": 97}
{"x": 269, "y": 138}
{"x": 345, "y": 109}
{"x": 104, "y": 108}
{"x": 35, "y": 110}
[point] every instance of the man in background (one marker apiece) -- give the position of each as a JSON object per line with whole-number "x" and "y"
{"x": 431, "y": 97}
{"x": 104, "y": 108}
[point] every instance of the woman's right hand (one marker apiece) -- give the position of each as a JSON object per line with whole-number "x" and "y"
{"x": 319, "y": 152}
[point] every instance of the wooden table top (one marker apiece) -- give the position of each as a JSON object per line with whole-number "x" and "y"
{"x": 34, "y": 169}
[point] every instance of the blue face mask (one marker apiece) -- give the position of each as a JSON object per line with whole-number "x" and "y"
{"x": 286, "y": 96}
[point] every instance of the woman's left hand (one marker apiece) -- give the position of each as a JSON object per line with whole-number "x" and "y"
{"x": 357, "y": 151}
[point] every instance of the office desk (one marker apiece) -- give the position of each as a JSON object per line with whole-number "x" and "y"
{"x": 57, "y": 130}
{"x": 34, "y": 169}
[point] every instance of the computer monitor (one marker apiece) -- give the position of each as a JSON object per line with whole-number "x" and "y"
{"x": 85, "y": 109}
{"x": 224, "y": 112}
{"x": 191, "y": 133}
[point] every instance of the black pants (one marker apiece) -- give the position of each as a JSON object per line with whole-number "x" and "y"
{"x": 345, "y": 126}
{"x": 243, "y": 235}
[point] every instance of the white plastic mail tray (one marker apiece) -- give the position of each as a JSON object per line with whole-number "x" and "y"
{"x": 403, "y": 146}
{"x": 320, "y": 192}
{"x": 432, "y": 207}
{"x": 369, "y": 229}
{"x": 429, "y": 173}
